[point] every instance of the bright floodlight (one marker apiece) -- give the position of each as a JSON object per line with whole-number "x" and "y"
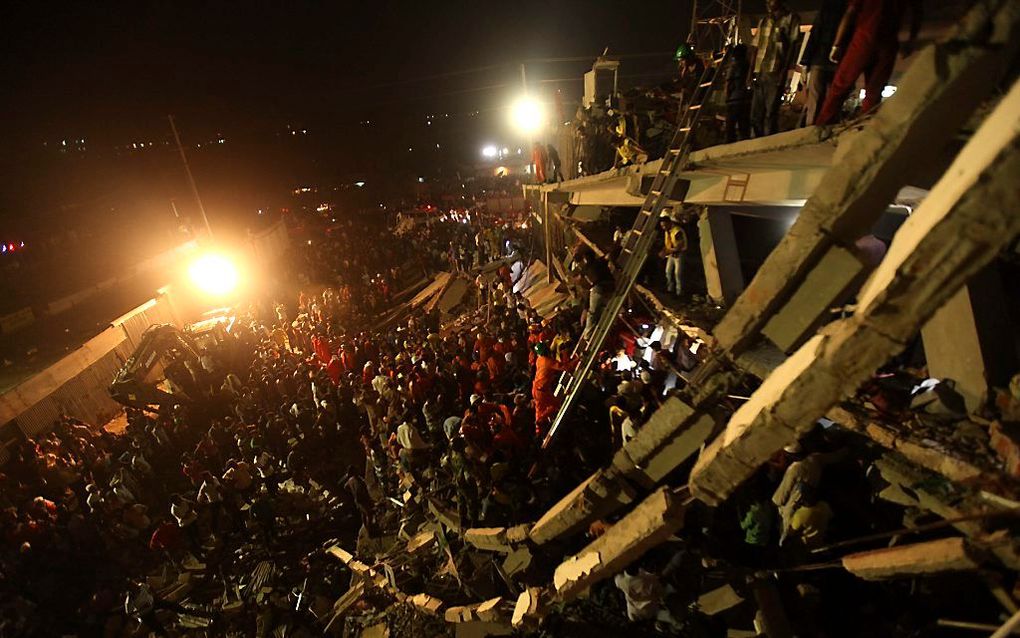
{"x": 214, "y": 274}
{"x": 527, "y": 115}
{"x": 490, "y": 151}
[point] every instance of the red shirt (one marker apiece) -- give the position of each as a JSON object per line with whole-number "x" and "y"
{"x": 166, "y": 537}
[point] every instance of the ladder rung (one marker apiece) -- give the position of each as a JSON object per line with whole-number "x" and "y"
{"x": 685, "y": 129}
{"x": 705, "y": 85}
{"x": 694, "y": 107}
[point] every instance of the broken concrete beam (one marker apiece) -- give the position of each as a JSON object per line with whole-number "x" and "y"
{"x": 830, "y": 281}
{"x": 604, "y": 491}
{"x": 420, "y": 541}
{"x": 1005, "y": 440}
{"x": 425, "y": 603}
{"x": 719, "y": 600}
{"x": 937, "y": 93}
{"x": 947, "y": 503}
{"x": 960, "y": 227}
{"x": 936, "y": 460}
{"x": 672, "y": 435}
{"x": 529, "y": 609}
{"x": 654, "y": 520}
{"x": 488, "y": 538}
{"x": 518, "y": 533}
{"x": 518, "y": 561}
{"x": 931, "y": 557}
{"x": 488, "y": 611}
{"x": 449, "y": 518}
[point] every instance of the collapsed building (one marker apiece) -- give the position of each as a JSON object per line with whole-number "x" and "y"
{"x": 905, "y": 353}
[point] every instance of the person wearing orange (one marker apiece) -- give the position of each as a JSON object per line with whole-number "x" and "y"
{"x": 544, "y": 384}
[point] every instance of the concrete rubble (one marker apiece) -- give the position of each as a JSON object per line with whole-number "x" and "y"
{"x": 905, "y": 561}
{"x": 960, "y": 226}
{"x": 652, "y": 521}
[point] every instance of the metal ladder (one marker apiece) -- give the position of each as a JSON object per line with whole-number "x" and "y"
{"x": 637, "y": 242}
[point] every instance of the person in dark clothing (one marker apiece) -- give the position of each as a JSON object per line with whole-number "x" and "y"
{"x": 555, "y": 164}
{"x": 815, "y": 59}
{"x": 596, "y": 273}
{"x": 738, "y": 95}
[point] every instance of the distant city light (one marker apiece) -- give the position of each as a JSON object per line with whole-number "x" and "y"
{"x": 359, "y": 184}
{"x": 421, "y": 180}
{"x": 527, "y": 115}
{"x": 490, "y": 151}
{"x": 214, "y": 274}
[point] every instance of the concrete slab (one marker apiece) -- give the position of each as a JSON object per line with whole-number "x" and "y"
{"x": 602, "y": 492}
{"x": 907, "y": 561}
{"x": 936, "y": 95}
{"x": 955, "y": 232}
{"x": 654, "y": 520}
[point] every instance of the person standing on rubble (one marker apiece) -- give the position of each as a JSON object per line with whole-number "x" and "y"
{"x": 738, "y": 96}
{"x": 774, "y": 44}
{"x": 544, "y": 384}
{"x": 674, "y": 246}
{"x": 815, "y": 59}
{"x": 596, "y": 273}
{"x": 872, "y": 50}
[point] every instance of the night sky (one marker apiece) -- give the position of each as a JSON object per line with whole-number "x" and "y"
{"x": 252, "y": 72}
{"x": 89, "y": 69}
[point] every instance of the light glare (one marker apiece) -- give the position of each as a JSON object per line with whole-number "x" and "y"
{"x": 527, "y": 115}
{"x": 214, "y": 274}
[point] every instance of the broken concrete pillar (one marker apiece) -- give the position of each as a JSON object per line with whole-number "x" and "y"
{"x": 957, "y": 230}
{"x": 488, "y": 538}
{"x": 673, "y": 434}
{"x": 969, "y": 340}
{"x": 723, "y": 276}
{"x": 529, "y": 609}
{"x": 654, "y": 520}
{"x": 936, "y": 95}
{"x": 604, "y": 491}
{"x": 830, "y": 282}
{"x": 931, "y": 557}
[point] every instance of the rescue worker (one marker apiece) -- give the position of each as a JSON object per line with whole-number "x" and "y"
{"x": 544, "y": 384}
{"x": 674, "y": 246}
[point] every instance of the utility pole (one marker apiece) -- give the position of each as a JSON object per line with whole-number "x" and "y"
{"x": 191, "y": 178}
{"x": 546, "y": 227}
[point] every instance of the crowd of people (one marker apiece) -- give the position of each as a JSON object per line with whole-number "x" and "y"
{"x": 847, "y": 39}
{"x": 317, "y": 420}
{"x": 308, "y": 396}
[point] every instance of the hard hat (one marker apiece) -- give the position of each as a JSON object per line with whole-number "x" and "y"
{"x": 684, "y": 51}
